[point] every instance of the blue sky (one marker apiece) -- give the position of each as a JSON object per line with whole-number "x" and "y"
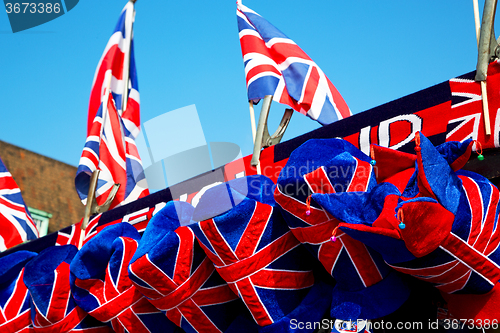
{"x": 188, "y": 52}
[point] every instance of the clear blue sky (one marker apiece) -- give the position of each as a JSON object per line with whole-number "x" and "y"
{"x": 188, "y": 52}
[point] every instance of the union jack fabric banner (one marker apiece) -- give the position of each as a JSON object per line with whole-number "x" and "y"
{"x": 110, "y": 145}
{"x": 16, "y": 224}
{"x": 102, "y": 287}
{"x": 254, "y": 251}
{"x": 335, "y": 166}
{"x": 275, "y": 65}
{"x": 174, "y": 273}
{"x": 54, "y": 308}
{"x": 15, "y": 311}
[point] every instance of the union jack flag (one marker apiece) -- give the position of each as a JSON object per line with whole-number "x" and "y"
{"x": 118, "y": 51}
{"x": 54, "y": 308}
{"x": 316, "y": 228}
{"x": 16, "y": 225}
{"x": 15, "y": 312}
{"x": 110, "y": 145}
{"x": 275, "y": 65}
{"x": 190, "y": 291}
{"x": 244, "y": 256}
{"x": 107, "y": 293}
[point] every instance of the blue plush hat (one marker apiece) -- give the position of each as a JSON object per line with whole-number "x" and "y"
{"x": 257, "y": 255}
{"x": 441, "y": 229}
{"x": 14, "y": 296}
{"x": 174, "y": 273}
{"x": 366, "y": 287}
{"x": 101, "y": 286}
{"x": 53, "y": 308}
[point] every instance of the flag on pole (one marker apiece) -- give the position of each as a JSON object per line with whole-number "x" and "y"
{"x": 118, "y": 58}
{"x": 16, "y": 224}
{"x": 110, "y": 145}
{"x": 275, "y": 65}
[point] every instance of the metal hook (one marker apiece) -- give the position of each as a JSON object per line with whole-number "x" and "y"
{"x": 262, "y": 137}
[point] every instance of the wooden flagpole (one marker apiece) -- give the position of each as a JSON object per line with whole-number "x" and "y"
{"x": 95, "y": 174}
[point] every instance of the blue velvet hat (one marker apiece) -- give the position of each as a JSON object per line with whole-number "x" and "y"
{"x": 53, "y": 306}
{"x": 14, "y": 296}
{"x": 174, "y": 273}
{"x": 101, "y": 286}
{"x": 256, "y": 254}
{"x": 366, "y": 287}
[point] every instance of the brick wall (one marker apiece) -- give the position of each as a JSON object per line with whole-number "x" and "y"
{"x": 45, "y": 184}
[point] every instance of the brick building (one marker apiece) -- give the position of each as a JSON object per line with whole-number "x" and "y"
{"x": 47, "y": 186}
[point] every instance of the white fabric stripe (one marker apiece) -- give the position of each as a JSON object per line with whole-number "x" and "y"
{"x": 245, "y": 9}
{"x": 249, "y": 32}
{"x": 134, "y": 94}
{"x": 3, "y": 247}
{"x": 86, "y": 162}
{"x": 254, "y": 59}
{"x": 7, "y": 191}
{"x": 279, "y": 40}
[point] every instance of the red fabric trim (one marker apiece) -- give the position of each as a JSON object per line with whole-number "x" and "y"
{"x": 248, "y": 266}
{"x": 362, "y": 260}
{"x": 67, "y": 324}
{"x": 18, "y": 323}
{"x": 475, "y": 260}
{"x": 254, "y": 229}
{"x": 254, "y": 304}
{"x": 318, "y": 181}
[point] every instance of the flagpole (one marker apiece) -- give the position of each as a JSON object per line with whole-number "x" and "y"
{"x": 252, "y": 120}
{"x": 477, "y": 20}
{"x": 126, "y": 63}
{"x": 95, "y": 174}
{"x": 488, "y": 13}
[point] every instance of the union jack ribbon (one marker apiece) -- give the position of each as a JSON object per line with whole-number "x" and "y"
{"x": 185, "y": 294}
{"x": 246, "y": 268}
{"x": 275, "y": 65}
{"x": 16, "y": 224}
{"x": 15, "y": 313}
{"x": 469, "y": 256}
{"x": 119, "y": 301}
{"x": 318, "y": 225}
